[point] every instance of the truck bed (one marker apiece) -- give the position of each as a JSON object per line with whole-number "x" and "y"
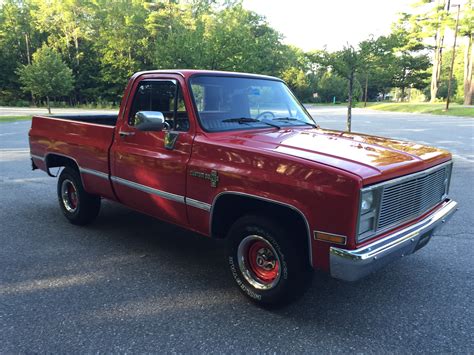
{"x": 84, "y": 139}
{"x": 106, "y": 119}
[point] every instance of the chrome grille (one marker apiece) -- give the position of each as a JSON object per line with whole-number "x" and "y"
{"x": 411, "y": 198}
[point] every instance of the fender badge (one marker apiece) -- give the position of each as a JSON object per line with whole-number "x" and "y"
{"x": 213, "y": 177}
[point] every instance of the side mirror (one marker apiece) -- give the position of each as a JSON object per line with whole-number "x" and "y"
{"x": 150, "y": 121}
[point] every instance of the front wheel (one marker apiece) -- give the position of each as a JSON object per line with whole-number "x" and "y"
{"x": 78, "y": 206}
{"x": 269, "y": 265}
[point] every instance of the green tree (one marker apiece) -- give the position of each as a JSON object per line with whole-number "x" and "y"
{"x": 298, "y": 82}
{"x": 330, "y": 86}
{"x": 298, "y": 71}
{"x": 368, "y": 51}
{"x": 378, "y": 67}
{"x": 122, "y": 43}
{"x": 345, "y": 63}
{"x": 68, "y": 27}
{"x": 67, "y": 23}
{"x": 47, "y": 76}
{"x": 429, "y": 22}
{"x": 18, "y": 39}
{"x": 410, "y": 72}
{"x": 466, "y": 30}
{"x": 242, "y": 40}
{"x": 396, "y": 61}
{"x": 105, "y": 41}
{"x": 229, "y": 38}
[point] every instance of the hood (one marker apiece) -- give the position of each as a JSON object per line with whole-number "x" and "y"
{"x": 372, "y": 158}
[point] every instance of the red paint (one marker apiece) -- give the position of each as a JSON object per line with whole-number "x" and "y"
{"x": 319, "y": 172}
{"x": 87, "y": 143}
{"x": 266, "y": 275}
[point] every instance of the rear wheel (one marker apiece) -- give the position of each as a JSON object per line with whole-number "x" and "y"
{"x": 269, "y": 265}
{"x": 77, "y": 205}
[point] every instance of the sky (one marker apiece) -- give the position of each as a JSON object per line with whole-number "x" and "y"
{"x": 313, "y": 24}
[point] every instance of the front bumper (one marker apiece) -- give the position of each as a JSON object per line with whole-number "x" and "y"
{"x": 351, "y": 265}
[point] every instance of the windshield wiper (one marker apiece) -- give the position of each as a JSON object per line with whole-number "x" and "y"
{"x": 295, "y": 119}
{"x": 243, "y": 120}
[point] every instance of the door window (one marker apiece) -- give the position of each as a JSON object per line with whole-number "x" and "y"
{"x": 164, "y": 96}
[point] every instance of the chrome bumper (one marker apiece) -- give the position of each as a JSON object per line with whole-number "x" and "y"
{"x": 351, "y": 265}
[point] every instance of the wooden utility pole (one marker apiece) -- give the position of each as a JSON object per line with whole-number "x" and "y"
{"x": 27, "y": 42}
{"x": 349, "y": 105}
{"x": 366, "y": 88}
{"x": 468, "y": 70}
{"x": 452, "y": 59}
{"x": 438, "y": 55}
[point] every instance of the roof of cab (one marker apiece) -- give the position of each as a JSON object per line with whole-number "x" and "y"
{"x": 187, "y": 73}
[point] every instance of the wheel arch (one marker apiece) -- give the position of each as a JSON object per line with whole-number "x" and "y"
{"x": 228, "y": 206}
{"x": 56, "y": 160}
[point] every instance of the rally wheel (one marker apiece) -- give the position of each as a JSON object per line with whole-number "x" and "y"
{"x": 78, "y": 206}
{"x": 268, "y": 264}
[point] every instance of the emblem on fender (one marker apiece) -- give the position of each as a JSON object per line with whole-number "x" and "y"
{"x": 213, "y": 177}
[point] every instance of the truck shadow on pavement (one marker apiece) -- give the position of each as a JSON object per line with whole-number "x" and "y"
{"x": 198, "y": 258}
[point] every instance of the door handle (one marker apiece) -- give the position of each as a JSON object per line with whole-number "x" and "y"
{"x": 126, "y": 134}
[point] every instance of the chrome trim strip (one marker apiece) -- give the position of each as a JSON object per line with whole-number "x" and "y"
{"x": 150, "y": 190}
{"x": 167, "y": 195}
{"x": 94, "y": 172}
{"x": 267, "y": 200}
{"x": 37, "y": 157}
{"x": 351, "y": 265}
{"x": 198, "y": 204}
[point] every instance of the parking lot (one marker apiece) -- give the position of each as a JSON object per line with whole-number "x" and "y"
{"x": 132, "y": 283}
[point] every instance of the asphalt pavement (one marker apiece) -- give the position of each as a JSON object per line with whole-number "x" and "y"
{"x": 129, "y": 283}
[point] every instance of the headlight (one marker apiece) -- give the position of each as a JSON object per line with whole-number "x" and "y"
{"x": 368, "y": 210}
{"x": 367, "y": 201}
{"x": 447, "y": 181}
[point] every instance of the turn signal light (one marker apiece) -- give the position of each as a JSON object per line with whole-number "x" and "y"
{"x": 331, "y": 238}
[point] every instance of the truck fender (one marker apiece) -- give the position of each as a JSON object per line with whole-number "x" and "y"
{"x": 53, "y": 160}
{"x": 219, "y": 225}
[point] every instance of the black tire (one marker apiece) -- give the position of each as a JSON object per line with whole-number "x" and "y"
{"x": 77, "y": 205}
{"x": 268, "y": 239}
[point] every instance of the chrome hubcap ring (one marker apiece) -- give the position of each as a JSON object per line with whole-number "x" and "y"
{"x": 69, "y": 196}
{"x": 259, "y": 262}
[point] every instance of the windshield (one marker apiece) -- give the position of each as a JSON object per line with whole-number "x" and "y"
{"x": 228, "y": 103}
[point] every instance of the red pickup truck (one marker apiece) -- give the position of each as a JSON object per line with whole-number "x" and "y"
{"x": 236, "y": 156}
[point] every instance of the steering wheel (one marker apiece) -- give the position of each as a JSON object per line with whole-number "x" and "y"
{"x": 265, "y": 113}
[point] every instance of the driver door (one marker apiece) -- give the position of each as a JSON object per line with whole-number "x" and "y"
{"x": 149, "y": 168}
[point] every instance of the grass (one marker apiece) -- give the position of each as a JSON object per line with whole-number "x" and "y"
{"x": 434, "y": 109}
{"x": 14, "y": 118}
{"x": 324, "y": 104}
